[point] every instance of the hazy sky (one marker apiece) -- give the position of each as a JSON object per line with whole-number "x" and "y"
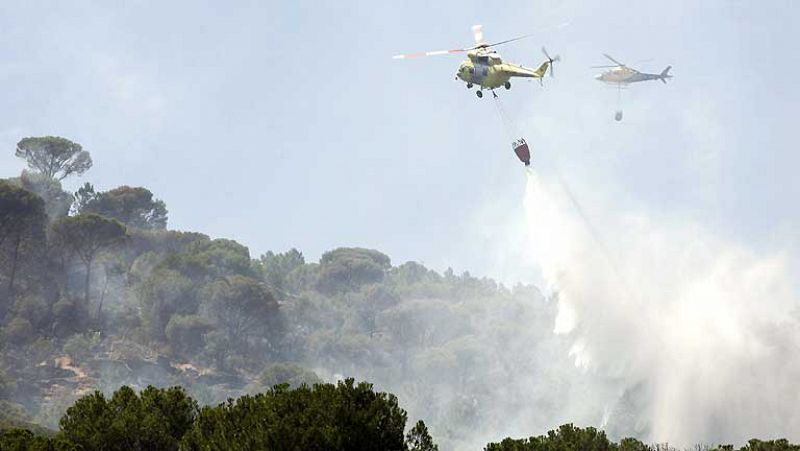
{"x": 287, "y": 124}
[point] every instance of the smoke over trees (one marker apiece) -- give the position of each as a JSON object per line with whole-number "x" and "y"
{"x": 104, "y": 295}
{"x": 83, "y": 237}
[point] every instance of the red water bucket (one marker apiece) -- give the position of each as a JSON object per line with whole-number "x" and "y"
{"x": 522, "y": 151}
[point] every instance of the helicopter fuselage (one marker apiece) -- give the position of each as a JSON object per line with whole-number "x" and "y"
{"x": 624, "y": 75}
{"x": 487, "y": 70}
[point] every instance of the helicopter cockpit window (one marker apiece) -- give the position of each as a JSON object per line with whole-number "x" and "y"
{"x": 483, "y": 60}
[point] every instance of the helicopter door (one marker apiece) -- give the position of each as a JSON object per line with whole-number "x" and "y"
{"x": 481, "y": 71}
{"x": 481, "y": 68}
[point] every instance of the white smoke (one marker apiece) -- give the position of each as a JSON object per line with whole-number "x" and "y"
{"x": 701, "y": 335}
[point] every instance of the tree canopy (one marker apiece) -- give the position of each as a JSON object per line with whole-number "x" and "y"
{"x": 132, "y": 206}
{"x": 84, "y": 236}
{"x": 566, "y": 437}
{"x": 326, "y": 417}
{"x": 346, "y": 416}
{"x": 22, "y": 237}
{"x": 277, "y": 267}
{"x": 155, "y": 419}
{"x": 17, "y": 207}
{"x": 53, "y": 156}
{"x": 346, "y": 269}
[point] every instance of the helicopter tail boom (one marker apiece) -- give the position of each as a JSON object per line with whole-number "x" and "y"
{"x": 542, "y": 69}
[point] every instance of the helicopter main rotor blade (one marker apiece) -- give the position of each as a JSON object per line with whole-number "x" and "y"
{"x": 421, "y": 54}
{"x": 507, "y": 41}
{"x": 477, "y": 32}
{"x": 613, "y": 60}
{"x": 525, "y": 36}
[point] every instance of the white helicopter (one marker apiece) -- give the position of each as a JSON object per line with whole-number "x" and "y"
{"x": 621, "y": 75}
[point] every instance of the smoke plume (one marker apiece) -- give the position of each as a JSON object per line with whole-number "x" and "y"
{"x": 699, "y": 337}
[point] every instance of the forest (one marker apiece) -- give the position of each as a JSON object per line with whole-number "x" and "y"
{"x": 120, "y": 333}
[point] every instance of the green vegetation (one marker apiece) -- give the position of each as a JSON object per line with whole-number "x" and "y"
{"x": 153, "y": 419}
{"x": 569, "y": 437}
{"x": 132, "y": 206}
{"x": 96, "y": 293}
{"x": 346, "y": 416}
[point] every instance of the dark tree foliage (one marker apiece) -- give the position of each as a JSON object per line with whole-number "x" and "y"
{"x": 84, "y": 236}
{"x": 632, "y": 444}
{"x": 16, "y": 206}
{"x": 569, "y": 437}
{"x": 208, "y": 260}
{"x": 25, "y": 440}
{"x": 418, "y": 438}
{"x": 166, "y": 242}
{"x": 277, "y": 267}
{"x": 181, "y": 282}
{"x": 566, "y": 437}
{"x": 414, "y": 273}
{"x": 243, "y": 310}
{"x": 163, "y": 294}
{"x": 347, "y": 269}
{"x": 346, "y": 417}
{"x": 770, "y": 445}
{"x": 22, "y": 237}
{"x": 155, "y": 419}
{"x": 241, "y": 306}
{"x": 132, "y": 206}
{"x": 53, "y": 156}
{"x": 326, "y": 417}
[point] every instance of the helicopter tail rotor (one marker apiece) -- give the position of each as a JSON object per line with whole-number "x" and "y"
{"x": 551, "y": 60}
{"x": 664, "y": 75}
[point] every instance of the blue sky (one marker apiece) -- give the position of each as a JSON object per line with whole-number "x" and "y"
{"x": 287, "y": 124}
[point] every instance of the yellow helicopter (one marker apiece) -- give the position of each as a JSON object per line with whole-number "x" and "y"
{"x": 485, "y": 68}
